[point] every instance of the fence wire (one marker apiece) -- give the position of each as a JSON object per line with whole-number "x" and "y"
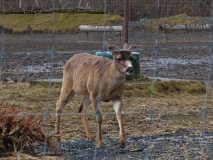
{"x": 186, "y": 55}
{"x": 2, "y": 40}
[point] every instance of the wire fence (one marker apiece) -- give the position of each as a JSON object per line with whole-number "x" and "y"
{"x": 167, "y": 127}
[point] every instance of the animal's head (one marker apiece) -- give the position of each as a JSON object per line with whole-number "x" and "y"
{"x": 122, "y": 57}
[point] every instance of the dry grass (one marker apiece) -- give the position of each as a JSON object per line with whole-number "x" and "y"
{"x": 19, "y": 131}
{"x": 175, "y": 111}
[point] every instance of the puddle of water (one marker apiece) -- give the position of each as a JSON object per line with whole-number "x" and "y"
{"x": 166, "y": 79}
{"x": 146, "y": 64}
{"x": 46, "y": 67}
{"x": 165, "y": 62}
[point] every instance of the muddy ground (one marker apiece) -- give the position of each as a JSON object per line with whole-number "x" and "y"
{"x": 185, "y": 54}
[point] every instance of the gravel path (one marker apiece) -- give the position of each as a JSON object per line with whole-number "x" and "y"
{"x": 167, "y": 146}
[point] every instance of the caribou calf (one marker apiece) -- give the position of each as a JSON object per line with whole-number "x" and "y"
{"x": 97, "y": 79}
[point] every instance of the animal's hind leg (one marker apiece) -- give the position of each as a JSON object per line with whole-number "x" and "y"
{"x": 96, "y": 104}
{"x": 66, "y": 95}
{"x": 84, "y": 105}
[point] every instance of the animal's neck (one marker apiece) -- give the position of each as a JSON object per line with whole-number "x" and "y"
{"x": 115, "y": 76}
{"x": 115, "y": 73}
{"x": 112, "y": 77}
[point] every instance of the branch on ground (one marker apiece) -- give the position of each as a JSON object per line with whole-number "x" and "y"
{"x": 22, "y": 133}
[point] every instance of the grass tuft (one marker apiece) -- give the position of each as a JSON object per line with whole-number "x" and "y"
{"x": 63, "y": 22}
{"x": 165, "y": 88}
{"x": 152, "y": 24}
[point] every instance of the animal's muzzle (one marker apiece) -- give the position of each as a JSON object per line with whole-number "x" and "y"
{"x": 129, "y": 70}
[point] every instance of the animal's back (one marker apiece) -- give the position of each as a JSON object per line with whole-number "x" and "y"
{"x": 83, "y": 68}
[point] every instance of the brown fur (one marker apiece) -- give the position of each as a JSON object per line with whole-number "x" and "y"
{"x": 86, "y": 76}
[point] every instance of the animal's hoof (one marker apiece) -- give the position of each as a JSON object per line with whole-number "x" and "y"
{"x": 122, "y": 145}
{"x": 58, "y": 139}
{"x": 91, "y": 139}
{"x": 100, "y": 144}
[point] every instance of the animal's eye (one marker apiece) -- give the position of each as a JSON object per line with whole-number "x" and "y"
{"x": 131, "y": 58}
{"x": 119, "y": 59}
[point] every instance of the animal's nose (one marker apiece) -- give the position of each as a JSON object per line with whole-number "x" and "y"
{"x": 130, "y": 70}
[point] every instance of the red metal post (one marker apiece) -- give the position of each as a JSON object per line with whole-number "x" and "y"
{"x": 126, "y": 20}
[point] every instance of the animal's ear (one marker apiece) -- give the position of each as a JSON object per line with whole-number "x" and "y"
{"x": 112, "y": 47}
{"x": 114, "y": 54}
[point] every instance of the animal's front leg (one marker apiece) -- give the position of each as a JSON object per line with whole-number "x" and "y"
{"x": 117, "y": 105}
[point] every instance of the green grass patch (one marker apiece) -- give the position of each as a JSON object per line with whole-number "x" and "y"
{"x": 165, "y": 88}
{"x": 63, "y": 22}
{"x": 152, "y": 24}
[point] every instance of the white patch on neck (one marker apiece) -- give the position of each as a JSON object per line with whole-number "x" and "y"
{"x": 114, "y": 83}
{"x": 120, "y": 74}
